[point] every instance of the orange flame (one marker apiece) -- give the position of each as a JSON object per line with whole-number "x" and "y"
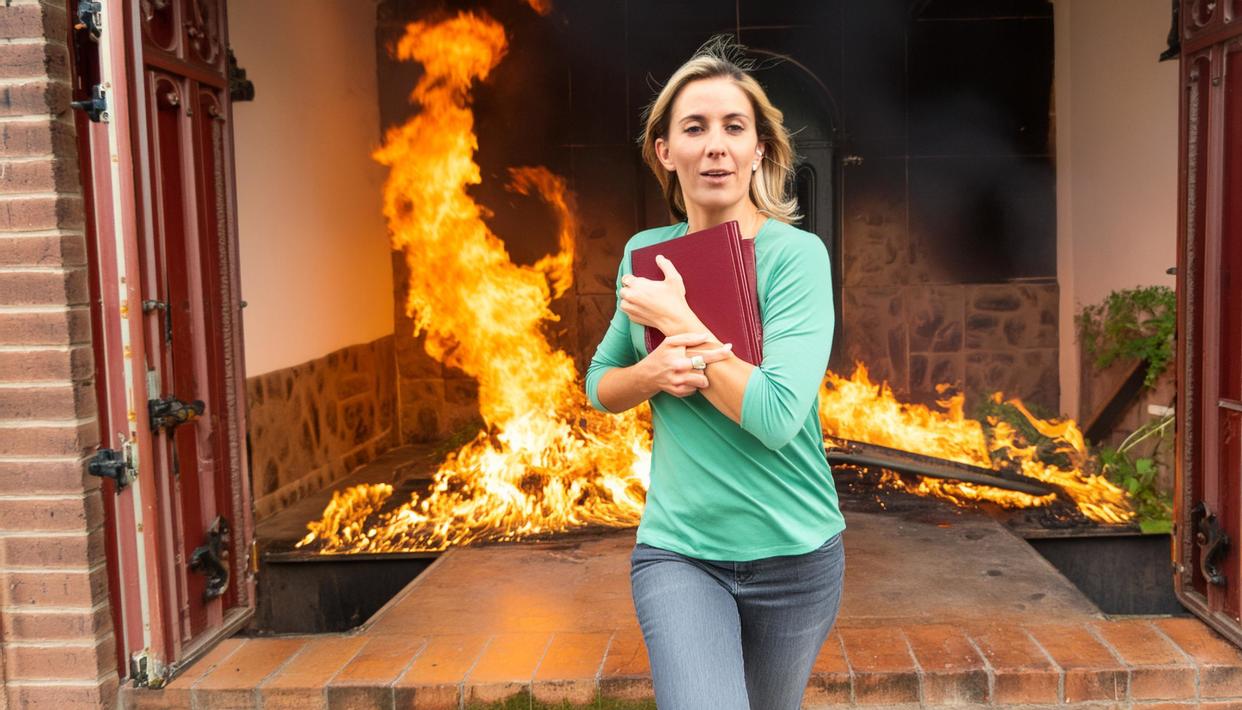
{"x": 543, "y": 7}
{"x": 858, "y": 410}
{"x": 548, "y": 462}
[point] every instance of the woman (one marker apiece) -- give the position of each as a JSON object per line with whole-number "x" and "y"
{"x": 738, "y": 567}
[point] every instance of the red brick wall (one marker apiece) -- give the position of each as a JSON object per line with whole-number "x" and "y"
{"x": 57, "y": 648}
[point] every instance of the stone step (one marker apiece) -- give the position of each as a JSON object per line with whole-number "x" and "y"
{"x": 1160, "y": 662}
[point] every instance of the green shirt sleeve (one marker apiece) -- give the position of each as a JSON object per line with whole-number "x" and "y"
{"x": 798, "y": 321}
{"x": 615, "y": 350}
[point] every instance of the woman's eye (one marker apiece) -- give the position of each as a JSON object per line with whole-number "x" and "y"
{"x": 694, "y": 129}
{"x": 735, "y": 128}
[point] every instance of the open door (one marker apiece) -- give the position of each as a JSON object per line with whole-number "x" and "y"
{"x": 1208, "y": 509}
{"x": 157, "y": 160}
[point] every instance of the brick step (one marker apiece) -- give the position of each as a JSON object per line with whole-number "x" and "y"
{"x": 1161, "y": 662}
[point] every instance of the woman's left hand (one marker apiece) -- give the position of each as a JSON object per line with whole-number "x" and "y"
{"x": 658, "y": 304}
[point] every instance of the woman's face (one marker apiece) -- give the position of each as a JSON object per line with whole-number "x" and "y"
{"x": 711, "y": 144}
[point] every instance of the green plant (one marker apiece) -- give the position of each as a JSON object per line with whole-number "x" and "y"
{"x": 1137, "y": 323}
{"x": 1139, "y": 475}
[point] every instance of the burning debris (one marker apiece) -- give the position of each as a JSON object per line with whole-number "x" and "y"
{"x": 855, "y": 409}
{"x": 546, "y": 461}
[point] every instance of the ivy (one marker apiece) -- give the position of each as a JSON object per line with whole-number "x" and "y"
{"x": 1137, "y": 323}
{"x": 1140, "y": 476}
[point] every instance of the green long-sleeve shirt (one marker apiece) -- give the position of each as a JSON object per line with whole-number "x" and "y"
{"x": 720, "y": 491}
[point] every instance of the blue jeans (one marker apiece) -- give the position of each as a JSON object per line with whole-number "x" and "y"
{"x": 735, "y": 635}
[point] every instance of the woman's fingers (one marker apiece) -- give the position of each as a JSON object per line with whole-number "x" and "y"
{"x": 711, "y": 355}
{"x": 666, "y": 266}
{"x": 686, "y": 340}
{"x": 688, "y": 386}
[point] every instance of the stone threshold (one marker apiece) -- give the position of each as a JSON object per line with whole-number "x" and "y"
{"x": 941, "y": 607}
{"x": 1158, "y": 662}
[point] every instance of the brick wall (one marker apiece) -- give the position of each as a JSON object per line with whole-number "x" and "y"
{"x": 57, "y": 647}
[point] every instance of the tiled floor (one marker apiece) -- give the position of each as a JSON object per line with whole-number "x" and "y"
{"x": 949, "y": 611}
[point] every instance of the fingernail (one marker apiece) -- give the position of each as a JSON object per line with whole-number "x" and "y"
{"x": 728, "y": 346}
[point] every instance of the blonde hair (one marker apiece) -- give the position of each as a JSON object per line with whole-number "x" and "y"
{"x": 770, "y": 185}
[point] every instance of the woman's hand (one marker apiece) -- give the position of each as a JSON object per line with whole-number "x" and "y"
{"x": 670, "y": 365}
{"x": 658, "y": 304}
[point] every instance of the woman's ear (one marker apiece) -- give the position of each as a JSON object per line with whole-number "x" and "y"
{"x": 661, "y": 150}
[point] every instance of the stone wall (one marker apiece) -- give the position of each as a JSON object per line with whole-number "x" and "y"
{"x": 312, "y": 424}
{"x": 977, "y": 338}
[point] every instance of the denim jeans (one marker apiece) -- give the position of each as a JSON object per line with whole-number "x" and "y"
{"x": 735, "y": 635}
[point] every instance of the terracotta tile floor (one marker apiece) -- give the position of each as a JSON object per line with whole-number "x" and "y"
{"x": 954, "y": 611}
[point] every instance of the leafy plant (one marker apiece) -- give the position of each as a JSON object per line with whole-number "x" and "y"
{"x": 1139, "y": 475}
{"x": 1137, "y": 323}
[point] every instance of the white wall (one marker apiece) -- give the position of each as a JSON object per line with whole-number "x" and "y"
{"x": 315, "y": 265}
{"x": 1116, "y": 153}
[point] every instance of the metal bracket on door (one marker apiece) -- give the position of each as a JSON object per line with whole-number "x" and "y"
{"x": 168, "y": 412}
{"x": 96, "y": 107}
{"x": 114, "y": 464}
{"x": 1213, "y": 543}
{"x": 90, "y": 18}
{"x": 211, "y": 559}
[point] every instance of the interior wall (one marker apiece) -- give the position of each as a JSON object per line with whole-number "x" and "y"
{"x": 315, "y": 264}
{"x": 1116, "y": 126}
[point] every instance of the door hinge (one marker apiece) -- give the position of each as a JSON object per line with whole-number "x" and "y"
{"x": 96, "y": 107}
{"x": 90, "y": 18}
{"x": 117, "y": 465}
{"x": 168, "y": 412}
{"x": 147, "y": 671}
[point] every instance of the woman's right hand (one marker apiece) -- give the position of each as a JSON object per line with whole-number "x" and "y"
{"x": 669, "y": 364}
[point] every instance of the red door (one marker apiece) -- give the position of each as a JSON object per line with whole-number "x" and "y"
{"x": 169, "y": 338}
{"x": 1209, "y": 506}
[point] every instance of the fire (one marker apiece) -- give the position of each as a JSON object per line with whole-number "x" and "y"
{"x": 546, "y": 461}
{"x": 858, "y": 410}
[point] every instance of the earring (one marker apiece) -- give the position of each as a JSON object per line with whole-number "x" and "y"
{"x": 754, "y": 166}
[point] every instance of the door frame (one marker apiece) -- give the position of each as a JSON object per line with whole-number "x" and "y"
{"x": 116, "y": 169}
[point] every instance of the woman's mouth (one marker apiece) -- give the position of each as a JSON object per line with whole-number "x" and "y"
{"x": 715, "y": 175}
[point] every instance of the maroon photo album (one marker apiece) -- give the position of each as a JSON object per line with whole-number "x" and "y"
{"x": 718, "y": 268}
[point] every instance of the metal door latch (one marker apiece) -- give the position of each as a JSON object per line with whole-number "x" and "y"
{"x": 1213, "y": 542}
{"x": 96, "y": 107}
{"x": 169, "y": 412}
{"x": 117, "y": 465}
{"x": 211, "y": 559}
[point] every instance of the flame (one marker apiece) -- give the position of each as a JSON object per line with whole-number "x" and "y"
{"x": 543, "y": 7}
{"x": 547, "y": 462}
{"x": 858, "y": 410}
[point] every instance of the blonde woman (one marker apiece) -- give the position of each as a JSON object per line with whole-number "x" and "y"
{"x": 738, "y": 568}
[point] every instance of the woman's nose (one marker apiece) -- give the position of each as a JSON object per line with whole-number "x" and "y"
{"x": 715, "y": 144}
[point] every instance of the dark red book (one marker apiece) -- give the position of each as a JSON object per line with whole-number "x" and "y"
{"x": 718, "y": 268}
